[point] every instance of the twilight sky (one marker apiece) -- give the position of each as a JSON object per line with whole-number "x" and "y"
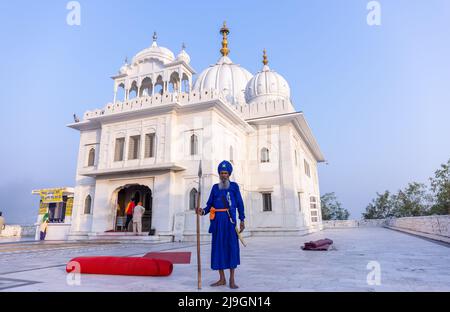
{"x": 376, "y": 97}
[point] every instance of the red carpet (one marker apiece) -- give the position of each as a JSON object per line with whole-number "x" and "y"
{"x": 122, "y": 266}
{"x": 174, "y": 257}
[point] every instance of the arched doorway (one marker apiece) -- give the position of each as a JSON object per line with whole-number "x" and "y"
{"x": 137, "y": 193}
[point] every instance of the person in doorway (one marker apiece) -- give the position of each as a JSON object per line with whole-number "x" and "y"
{"x": 118, "y": 210}
{"x": 225, "y": 198}
{"x": 2, "y": 222}
{"x": 129, "y": 213}
{"x": 43, "y": 227}
{"x": 137, "y": 218}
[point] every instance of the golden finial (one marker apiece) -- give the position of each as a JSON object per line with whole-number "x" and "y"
{"x": 224, "y": 31}
{"x": 265, "y": 61}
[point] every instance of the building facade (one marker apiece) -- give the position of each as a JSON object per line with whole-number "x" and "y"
{"x": 147, "y": 145}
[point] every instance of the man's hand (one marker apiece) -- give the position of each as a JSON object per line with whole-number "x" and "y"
{"x": 242, "y": 227}
{"x": 200, "y": 211}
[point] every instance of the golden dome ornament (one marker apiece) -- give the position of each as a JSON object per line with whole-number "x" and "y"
{"x": 224, "y": 31}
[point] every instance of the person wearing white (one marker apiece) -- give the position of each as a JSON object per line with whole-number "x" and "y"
{"x": 137, "y": 218}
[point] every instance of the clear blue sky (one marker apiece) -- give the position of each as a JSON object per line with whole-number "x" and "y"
{"x": 377, "y": 98}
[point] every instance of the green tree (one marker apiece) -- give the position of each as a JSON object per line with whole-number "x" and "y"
{"x": 440, "y": 186}
{"x": 332, "y": 208}
{"x": 413, "y": 201}
{"x": 380, "y": 208}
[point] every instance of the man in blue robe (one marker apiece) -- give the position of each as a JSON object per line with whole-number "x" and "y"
{"x": 225, "y": 198}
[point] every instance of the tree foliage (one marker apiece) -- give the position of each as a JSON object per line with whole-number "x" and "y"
{"x": 440, "y": 186}
{"x": 380, "y": 207}
{"x": 415, "y": 200}
{"x": 332, "y": 208}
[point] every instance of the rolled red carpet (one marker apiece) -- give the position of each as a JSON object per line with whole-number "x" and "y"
{"x": 120, "y": 266}
{"x": 319, "y": 243}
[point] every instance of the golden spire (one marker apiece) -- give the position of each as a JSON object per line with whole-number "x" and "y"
{"x": 224, "y": 31}
{"x": 265, "y": 61}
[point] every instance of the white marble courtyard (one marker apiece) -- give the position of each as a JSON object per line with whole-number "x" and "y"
{"x": 407, "y": 263}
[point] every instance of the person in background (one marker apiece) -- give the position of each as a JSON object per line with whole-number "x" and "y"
{"x": 129, "y": 213}
{"x": 43, "y": 227}
{"x": 2, "y": 222}
{"x": 137, "y": 218}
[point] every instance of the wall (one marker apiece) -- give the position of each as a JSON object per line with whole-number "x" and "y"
{"x": 18, "y": 231}
{"x": 433, "y": 227}
{"x": 336, "y": 224}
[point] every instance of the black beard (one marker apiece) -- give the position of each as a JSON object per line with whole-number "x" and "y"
{"x": 225, "y": 184}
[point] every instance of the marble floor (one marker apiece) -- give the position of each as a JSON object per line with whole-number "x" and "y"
{"x": 361, "y": 259}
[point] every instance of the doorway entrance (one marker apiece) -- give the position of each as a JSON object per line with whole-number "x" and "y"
{"x": 136, "y": 193}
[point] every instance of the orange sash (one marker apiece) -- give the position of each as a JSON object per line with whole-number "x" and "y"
{"x": 212, "y": 212}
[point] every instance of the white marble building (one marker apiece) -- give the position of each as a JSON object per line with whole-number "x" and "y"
{"x": 150, "y": 139}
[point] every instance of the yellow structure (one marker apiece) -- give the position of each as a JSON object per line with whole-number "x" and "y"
{"x": 58, "y": 203}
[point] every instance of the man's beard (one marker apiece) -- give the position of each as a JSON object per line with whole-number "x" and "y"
{"x": 224, "y": 184}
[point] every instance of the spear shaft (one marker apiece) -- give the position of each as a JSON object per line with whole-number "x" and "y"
{"x": 199, "y": 263}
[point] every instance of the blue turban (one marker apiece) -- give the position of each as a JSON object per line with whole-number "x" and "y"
{"x": 225, "y": 166}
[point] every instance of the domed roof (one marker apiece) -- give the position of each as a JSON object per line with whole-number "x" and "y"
{"x": 183, "y": 56}
{"x": 224, "y": 76}
{"x": 124, "y": 68}
{"x": 155, "y": 52}
{"x": 267, "y": 83}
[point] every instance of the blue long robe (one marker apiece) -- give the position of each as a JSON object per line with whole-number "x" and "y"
{"x": 225, "y": 242}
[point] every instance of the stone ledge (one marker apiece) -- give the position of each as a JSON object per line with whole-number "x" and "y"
{"x": 342, "y": 224}
{"x": 421, "y": 234}
{"x": 18, "y": 231}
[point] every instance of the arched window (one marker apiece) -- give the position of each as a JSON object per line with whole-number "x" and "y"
{"x": 231, "y": 154}
{"x": 185, "y": 84}
{"x": 264, "y": 155}
{"x": 174, "y": 82}
{"x": 133, "y": 91}
{"x": 87, "y": 205}
{"x": 120, "y": 93}
{"x": 194, "y": 144}
{"x": 146, "y": 87}
{"x": 193, "y": 199}
{"x": 91, "y": 158}
{"x": 159, "y": 86}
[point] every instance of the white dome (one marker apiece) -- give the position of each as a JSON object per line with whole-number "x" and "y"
{"x": 267, "y": 83}
{"x": 183, "y": 56}
{"x": 155, "y": 52}
{"x": 123, "y": 69}
{"x": 226, "y": 77}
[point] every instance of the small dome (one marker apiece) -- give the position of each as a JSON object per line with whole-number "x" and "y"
{"x": 183, "y": 56}
{"x": 155, "y": 52}
{"x": 226, "y": 77}
{"x": 123, "y": 70}
{"x": 267, "y": 83}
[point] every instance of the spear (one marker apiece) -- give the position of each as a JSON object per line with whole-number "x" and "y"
{"x": 199, "y": 264}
